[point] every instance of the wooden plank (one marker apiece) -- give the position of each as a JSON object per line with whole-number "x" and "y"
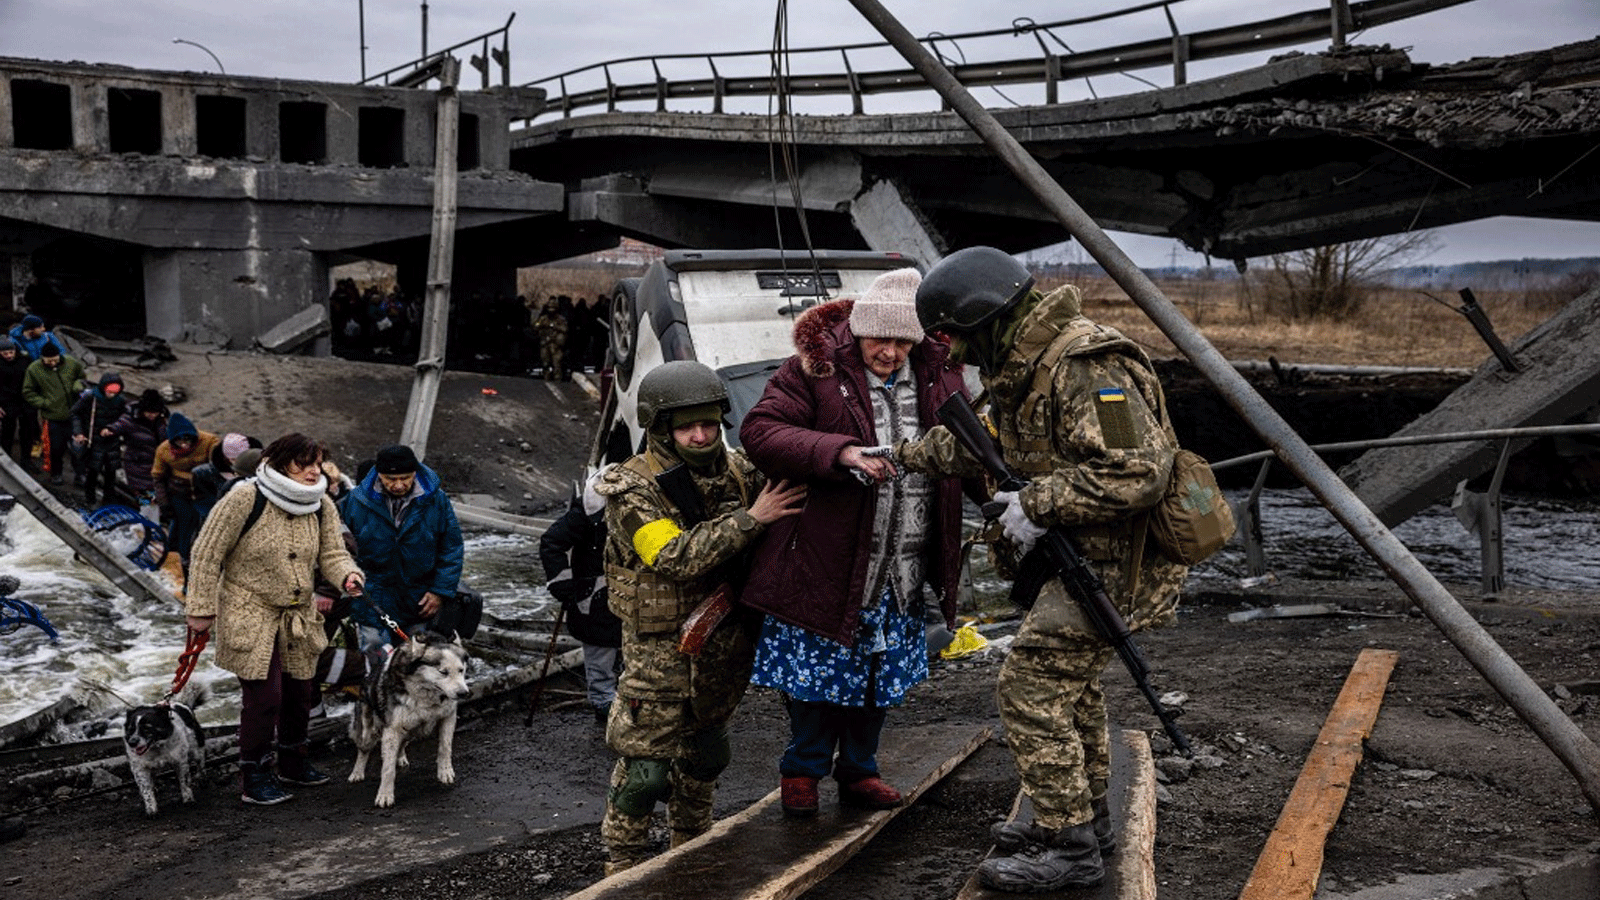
{"x": 1131, "y": 870}
{"x": 759, "y": 854}
{"x": 1291, "y": 862}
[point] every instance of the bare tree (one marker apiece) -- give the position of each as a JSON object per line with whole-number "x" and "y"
{"x": 1332, "y": 282}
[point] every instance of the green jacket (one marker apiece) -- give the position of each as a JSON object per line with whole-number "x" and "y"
{"x": 53, "y": 391}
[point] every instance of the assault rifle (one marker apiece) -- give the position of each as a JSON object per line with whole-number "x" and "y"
{"x": 1056, "y": 556}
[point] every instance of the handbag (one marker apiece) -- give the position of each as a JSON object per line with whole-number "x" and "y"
{"x": 459, "y": 615}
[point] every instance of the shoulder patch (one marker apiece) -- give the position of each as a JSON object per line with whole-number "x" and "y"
{"x": 1116, "y": 419}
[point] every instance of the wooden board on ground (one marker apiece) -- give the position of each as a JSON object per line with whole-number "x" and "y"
{"x": 759, "y": 854}
{"x": 1291, "y": 863}
{"x": 1130, "y": 871}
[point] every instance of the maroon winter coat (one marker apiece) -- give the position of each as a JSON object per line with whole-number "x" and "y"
{"x": 810, "y": 570}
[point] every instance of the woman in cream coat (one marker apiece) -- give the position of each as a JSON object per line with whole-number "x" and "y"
{"x": 256, "y": 586}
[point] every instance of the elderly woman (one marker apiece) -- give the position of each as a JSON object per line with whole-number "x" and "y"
{"x": 845, "y": 583}
{"x": 252, "y": 573}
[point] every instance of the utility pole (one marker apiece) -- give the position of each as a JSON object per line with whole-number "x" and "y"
{"x": 436, "y": 302}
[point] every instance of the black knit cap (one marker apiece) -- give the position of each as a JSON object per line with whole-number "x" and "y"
{"x": 396, "y": 459}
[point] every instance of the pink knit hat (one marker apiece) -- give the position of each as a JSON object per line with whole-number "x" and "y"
{"x": 233, "y": 445}
{"x": 889, "y": 308}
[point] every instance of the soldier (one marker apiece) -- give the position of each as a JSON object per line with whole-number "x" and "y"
{"x": 1079, "y": 412}
{"x": 679, "y": 517}
{"x": 550, "y": 327}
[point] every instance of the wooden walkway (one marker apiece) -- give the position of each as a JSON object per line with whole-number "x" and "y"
{"x": 759, "y": 854}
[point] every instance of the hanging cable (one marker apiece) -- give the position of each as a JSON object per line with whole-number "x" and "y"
{"x": 780, "y": 121}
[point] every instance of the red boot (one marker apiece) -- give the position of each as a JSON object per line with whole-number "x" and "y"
{"x": 871, "y": 793}
{"x": 800, "y": 797}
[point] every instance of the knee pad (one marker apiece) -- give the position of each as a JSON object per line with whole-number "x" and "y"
{"x": 647, "y": 783}
{"x": 712, "y": 753}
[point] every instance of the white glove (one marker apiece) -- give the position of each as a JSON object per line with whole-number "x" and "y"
{"x": 1018, "y": 527}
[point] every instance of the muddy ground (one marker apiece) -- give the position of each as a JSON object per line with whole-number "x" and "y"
{"x": 1452, "y": 780}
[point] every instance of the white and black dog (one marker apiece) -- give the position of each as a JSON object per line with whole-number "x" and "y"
{"x": 412, "y": 694}
{"x": 162, "y": 735}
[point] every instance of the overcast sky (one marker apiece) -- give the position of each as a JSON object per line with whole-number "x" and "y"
{"x": 322, "y": 40}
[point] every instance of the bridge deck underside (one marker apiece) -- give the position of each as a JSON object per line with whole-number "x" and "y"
{"x": 1307, "y": 151}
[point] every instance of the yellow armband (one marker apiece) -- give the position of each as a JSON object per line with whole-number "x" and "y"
{"x": 651, "y": 537}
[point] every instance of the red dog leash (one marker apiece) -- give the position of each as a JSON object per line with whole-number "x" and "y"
{"x": 186, "y": 661}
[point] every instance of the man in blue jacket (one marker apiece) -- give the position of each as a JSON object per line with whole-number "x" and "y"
{"x": 408, "y": 542}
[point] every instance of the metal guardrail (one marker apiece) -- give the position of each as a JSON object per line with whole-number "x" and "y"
{"x": 418, "y": 71}
{"x": 1050, "y": 68}
{"x": 1478, "y": 511}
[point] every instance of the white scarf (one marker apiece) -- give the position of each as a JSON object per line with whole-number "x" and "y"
{"x": 289, "y": 495}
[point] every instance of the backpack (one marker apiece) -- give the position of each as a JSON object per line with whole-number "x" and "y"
{"x": 1193, "y": 520}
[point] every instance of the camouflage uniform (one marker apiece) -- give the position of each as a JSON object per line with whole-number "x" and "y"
{"x": 670, "y": 727}
{"x": 1084, "y": 418}
{"x": 550, "y": 327}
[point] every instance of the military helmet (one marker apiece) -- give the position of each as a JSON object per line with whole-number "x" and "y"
{"x": 969, "y": 287}
{"x": 675, "y": 385}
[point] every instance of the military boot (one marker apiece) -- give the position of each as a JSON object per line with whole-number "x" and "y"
{"x": 1104, "y": 833}
{"x": 1071, "y": 859}
{"x": 689, "y": 809}
{"x": 1014, "y": 836}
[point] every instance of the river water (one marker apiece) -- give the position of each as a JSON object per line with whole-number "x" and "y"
{"x": 109, "y": 639}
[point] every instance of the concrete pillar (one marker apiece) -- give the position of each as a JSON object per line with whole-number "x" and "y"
{"x": 20, "y": 271}
{"x": 179, "y": 131}
{"x": 229, "y": 296}
{"x": 886, "y": 220}
{"x": 91, "y": 117}
{"x": 8, "y": 135}
{"x": 261, "y": 127}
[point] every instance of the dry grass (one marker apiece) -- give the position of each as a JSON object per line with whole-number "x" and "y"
{"x": 1395, "y": 328}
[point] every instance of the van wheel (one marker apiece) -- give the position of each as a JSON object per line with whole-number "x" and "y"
{"x": 624, "y": 328}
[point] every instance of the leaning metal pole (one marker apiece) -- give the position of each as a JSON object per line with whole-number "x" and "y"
{"x": 1576, "y": 751}
{"x": 436, "y": 303}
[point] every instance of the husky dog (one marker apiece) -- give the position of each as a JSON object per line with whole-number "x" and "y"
{"x": 166, "y": 734}
{"x": 413, "y": 692}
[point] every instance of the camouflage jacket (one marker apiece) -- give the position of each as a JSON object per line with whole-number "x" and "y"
{"x": 658, "y": 568}
{"x": 1080, "y": 413}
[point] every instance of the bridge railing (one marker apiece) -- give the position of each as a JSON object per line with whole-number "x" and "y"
{"x": 419, "y": 70}
{"x": 1055, "y": 62}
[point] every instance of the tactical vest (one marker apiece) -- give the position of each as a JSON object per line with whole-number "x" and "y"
{"x": 1027, "y": 434}
{"x": 650, "y": 603}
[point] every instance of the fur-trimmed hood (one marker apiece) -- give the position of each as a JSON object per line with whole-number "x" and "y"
{"x": 823, "y": 331}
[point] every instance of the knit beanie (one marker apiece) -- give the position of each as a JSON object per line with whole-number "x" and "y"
{"x": 151, "y": 400}
{"x": 6, "y": 343}
{"x": 396, "y": 459}
{"x": 888, "y": 309}
{"x": 31, "y": 322}
{"x": 49, "y": 349}
{"x": 248, "y": 461}
{"x": 179, "y": 426}
{"x": 233, "y": 445}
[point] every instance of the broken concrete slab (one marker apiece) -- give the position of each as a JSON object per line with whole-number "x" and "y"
{"x": 296, "y": 331}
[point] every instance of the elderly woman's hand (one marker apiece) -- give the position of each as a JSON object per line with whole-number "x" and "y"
{"x": 870, "y": 464}
{"x": 353, "y": 585}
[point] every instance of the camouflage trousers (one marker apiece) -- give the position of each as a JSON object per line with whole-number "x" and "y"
{"x": 656, "y": 732}
{"x": 552, "y": 358}
{"x": 1055, "y": 718}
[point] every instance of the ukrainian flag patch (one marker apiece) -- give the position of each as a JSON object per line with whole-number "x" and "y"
{"x": 1113, "y": 395}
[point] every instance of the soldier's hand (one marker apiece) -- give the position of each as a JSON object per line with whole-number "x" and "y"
{"x": 1018, "y": 527}
{"x": 776, "y": 501}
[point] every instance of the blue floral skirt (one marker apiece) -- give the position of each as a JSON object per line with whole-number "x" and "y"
{"x": 890, "y": 657}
